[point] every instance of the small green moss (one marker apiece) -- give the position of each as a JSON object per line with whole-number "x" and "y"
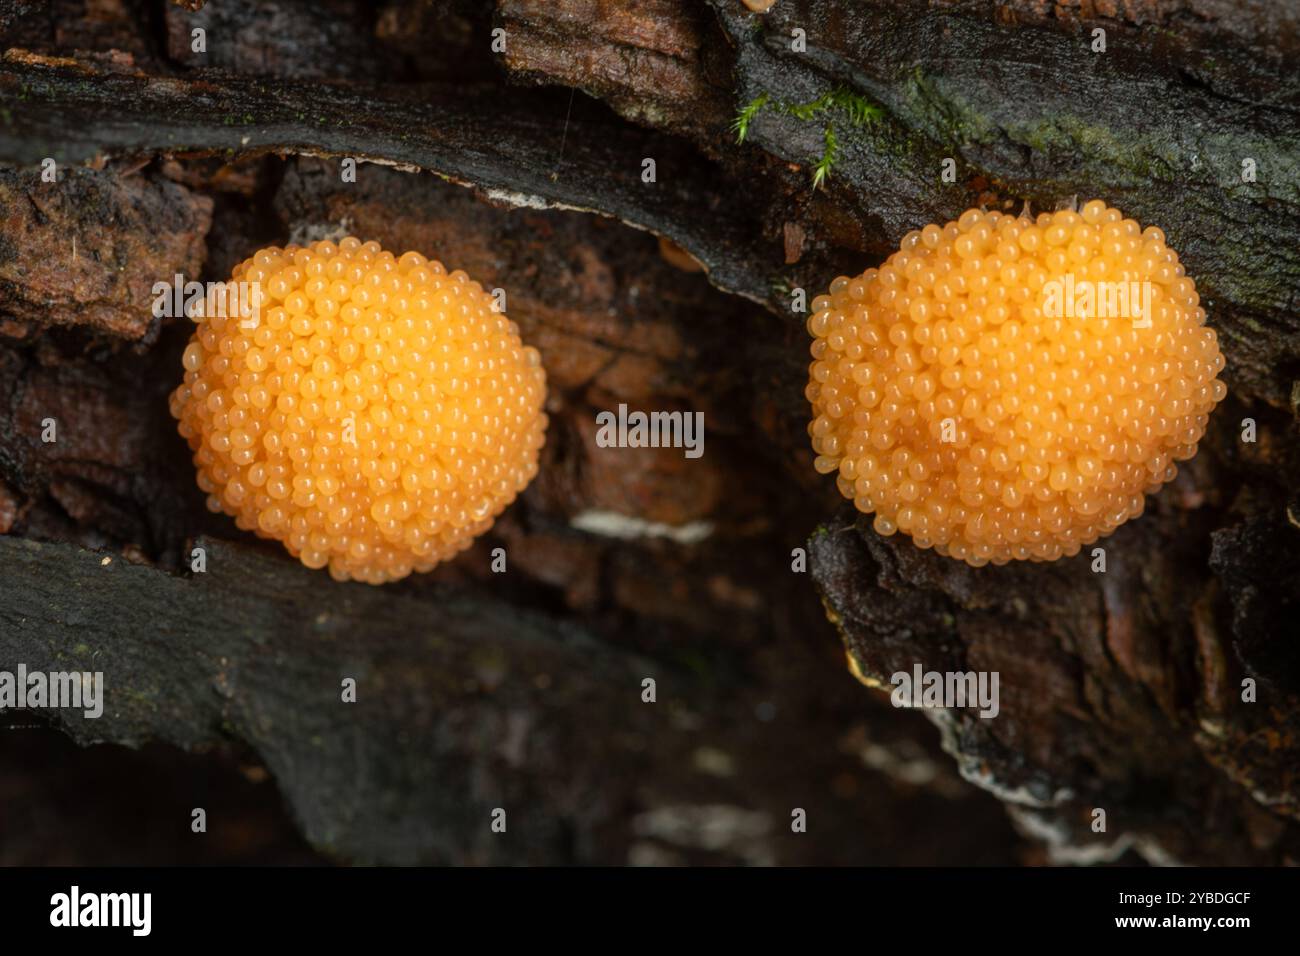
{"x": 746, "y": 116}
{"x": 855, "y": 107}
{"x": 822, "y": 169}
{"x": 842, "y": 103}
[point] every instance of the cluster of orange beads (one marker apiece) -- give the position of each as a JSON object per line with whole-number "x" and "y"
{"x": 959, "y": 403}
{"x": 374, "y": 415}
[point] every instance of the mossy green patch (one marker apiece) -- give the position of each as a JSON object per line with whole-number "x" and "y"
{"x": 841, "y": 104}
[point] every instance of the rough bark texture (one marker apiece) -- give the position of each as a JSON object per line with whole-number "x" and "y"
{"x": 1120, "y": 691}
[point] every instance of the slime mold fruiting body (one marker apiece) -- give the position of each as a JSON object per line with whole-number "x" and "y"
{"x": 375, "y": 415}
{"x": 1006, "y": 388}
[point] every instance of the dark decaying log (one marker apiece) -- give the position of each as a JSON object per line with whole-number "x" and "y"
{"x": 469, "y": 704}
{"x": 1120, "y": 691}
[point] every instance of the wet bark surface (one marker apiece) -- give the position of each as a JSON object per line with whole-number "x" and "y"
{"x": 1120, "y": 691}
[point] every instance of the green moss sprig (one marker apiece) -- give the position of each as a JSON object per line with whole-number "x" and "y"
{"x": 841, "y": 103}
{"x": 746, "y": 116}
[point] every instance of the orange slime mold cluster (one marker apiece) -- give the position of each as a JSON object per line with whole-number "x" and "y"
{"x": 1009, "y": 388}
{"x": 374, "y": 415}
